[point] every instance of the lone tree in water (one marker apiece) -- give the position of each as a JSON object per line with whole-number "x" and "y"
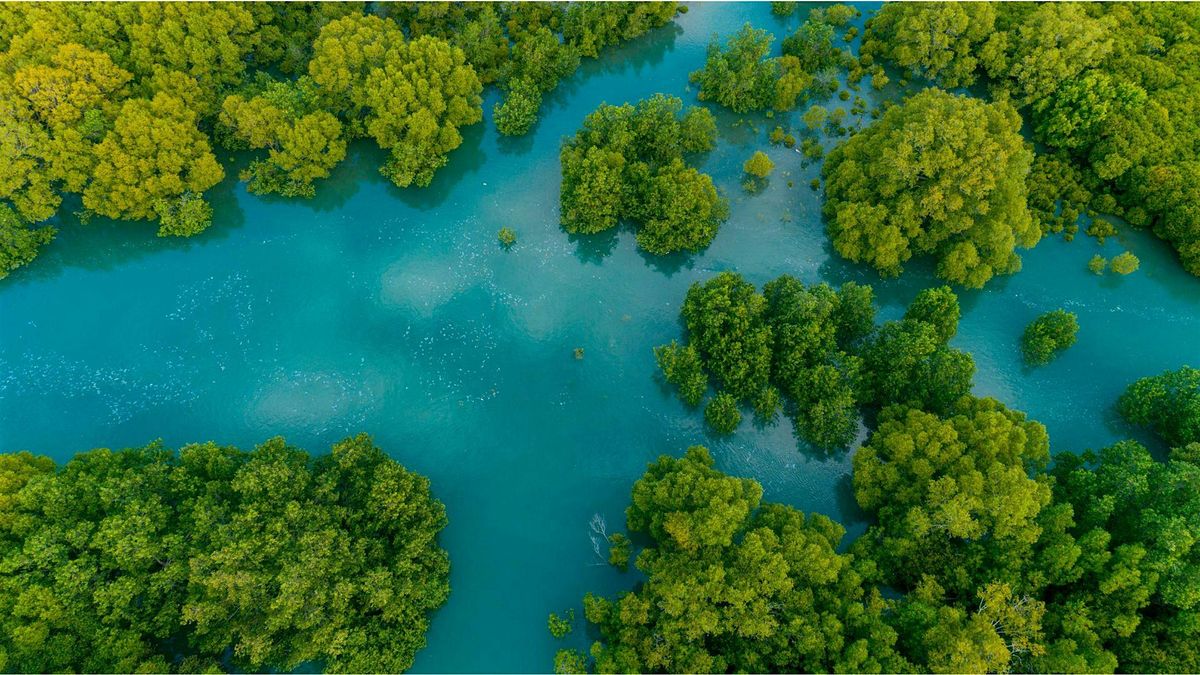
{"x": 1047, "y": 336}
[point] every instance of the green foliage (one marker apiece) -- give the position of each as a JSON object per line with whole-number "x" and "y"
{"x": 1079, "y": 111}
{"x": 950, "y": 489}
{"x": 783, "y": 8}
{"x": 739, "y": 77}
{"x": 937, "y": 307}
{"x": 722, "y": 413}
{"x": 1057, "y": 195}
{"x": 370, "y": 73}
{"x": 303, "y": 144}
{"x": 619, "y": 551}
{"x": 19, "y": 243}
{"x": 528, "y": 49}
{"x": 909, "y": 362}
{"x": 1168, "y": 403}
{"x": 838, "y": 15}
{"x": 759, "y": 165}
{"x": 506, "y": 237}
{"x": 814, "y": 118}
{"x": 592, "y": 26}
{"x": 538, "y": 62}
{"x": 1135, "y": 519}
{"x": 812, "y": 44}
{"x": 818, "y": 349}
{"x": 955, "y": 189}
{"x": 682, "y": 210}
{"x": 1107, "y": 88}
{"x": 1097, "y": 264}
{"x": 184, "y": 216}
{"x": 131, "y": 176}
{"x": 1125, "y": 263}
{"x": 742, "y": 78}
{"x": 1101, "y": 229}
{"x": 736, "y": 585}
{"x": 519, "y": 111}
{"x": 934, "y": 40}
{"x": 725, "y": 324}
{"x": 569, "y": 661}
{"x": 115, "y": 103}
{"x": 681, "y": 366}
{"x": 1047, "y": 336}
{"x": 627, "y": 162}
{"x": 120, "y": 561}
{"x": 561, "y": 626}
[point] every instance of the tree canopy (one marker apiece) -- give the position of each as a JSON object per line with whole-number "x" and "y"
{"x": 1168, "y": 403}
{"x": 127, "y": 105}
{"x": 740, "y": 76}
{"x": 1107, "y": 88}
{"x": 144, "y": 560}
{"x": 628, "y": 163}
{"x": 818, "y": 350}
{"x": 1048, "y": 335}
{"x": 938, "y": 174}
{"x": 736, "y": 584}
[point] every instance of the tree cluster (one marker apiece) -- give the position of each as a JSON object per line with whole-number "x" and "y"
{"x": 627, "y": 163}
{"x": 1108, "y": 89}
{"x": 1048, "y": 335}
{"x": 125, "y": 105}
{"x": 734, "y": 584}
{"x": 939, "y": 175}
{"x": 813, "y": 351}
{"x": 212, "y": 558}
{"x": 741, "y": 76}
{"x": 1168, "y": 403}
{"x": 991, "y": 562}
{"x": 526, "y": 49}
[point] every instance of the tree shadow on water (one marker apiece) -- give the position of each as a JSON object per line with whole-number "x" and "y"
{"x": 517, "y": 145}
{"x": 637, "y": 55}
{"x": 670, "y": 264}
{"x": 104, "y": 244}
{"x": 594, "y": 248}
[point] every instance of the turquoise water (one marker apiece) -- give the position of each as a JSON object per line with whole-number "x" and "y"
{"x": 396, "y": 312}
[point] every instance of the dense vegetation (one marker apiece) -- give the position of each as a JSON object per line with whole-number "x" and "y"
{"x": 627, "y": 163}
{"x": 126, "y": 105}
{"x": 941, "y": 175}
{"x": 1168, "y": 403}
{"x": 740, "y": 76}
{"x": 999, "y": 566}
{"x": 815, "y": 351}
{"x": 737, "y": 585}
{"x": 979, "y": 558}
{"x": 526, "y": 49}
{"x": 147, "y": 560}
{"x": 1048, "y": 335}
{"x": 1109, "y": 89}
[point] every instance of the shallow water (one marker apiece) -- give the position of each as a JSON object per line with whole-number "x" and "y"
{"x": 397, "y": 313}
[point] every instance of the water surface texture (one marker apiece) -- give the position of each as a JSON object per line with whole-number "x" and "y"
{"x": 397, "y": 313}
